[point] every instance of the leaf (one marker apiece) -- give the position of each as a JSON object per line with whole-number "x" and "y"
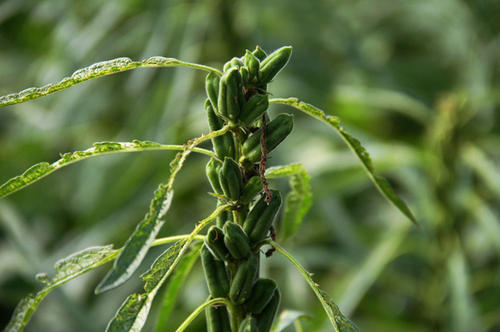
{"x": 355, "y": 145}
{"x": 43, "y": 169}
{"x": 286, "y": 319}
{"x": 66, "y": 270}
{"x": 298, "y": 201}
{"x": 97, "y": 70}
{"x": 132, "y": 314}
{"x": 174, "y": 286}
{"x": 337, "y": 319}
{"x": 139, "y": 242}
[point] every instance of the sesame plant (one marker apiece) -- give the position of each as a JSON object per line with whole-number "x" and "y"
{"x": 238, "y": 234}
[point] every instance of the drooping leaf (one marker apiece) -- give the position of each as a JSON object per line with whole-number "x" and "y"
{"x": 286, "y": 319}
{"x": 339, "y": 322}
{"x": 174, "y": 286}
{"x": 132, "y": 314}
{"x": 355, "y": 145}
{"x": 97, "y": 70}
{"x": 298, "y": 201}
{"x": 66, "y": 270}
{"x": 43, "y": 169}
{"x": 139, "y": 242}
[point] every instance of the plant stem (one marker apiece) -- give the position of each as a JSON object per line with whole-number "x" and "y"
{"x": 200, "y": 308}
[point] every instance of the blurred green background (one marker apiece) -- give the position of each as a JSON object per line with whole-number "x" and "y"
{"x": 417, "y": 81}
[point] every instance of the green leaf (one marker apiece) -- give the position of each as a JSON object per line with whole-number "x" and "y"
{"x": 43, "y": 169}
{"x": 337, "y": 319}
{"x": 66, "y": 269}
{"x": 298, "y": 201}
{"x": 133, "y": 313}
{"x": 355, "y": 145}
{"x": 139, "y": 242}
{"x": 286, "y": 319}
{"x": 97, "y": 70}
{"x": 174, "y": 286}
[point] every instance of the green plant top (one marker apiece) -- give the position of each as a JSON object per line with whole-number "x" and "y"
{"x": 242, "y": 135}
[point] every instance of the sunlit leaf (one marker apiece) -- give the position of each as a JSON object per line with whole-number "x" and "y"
{"x": 355, "y": 145}
{"x": 339, "y": 322}
{"x": 97, "y": 70}
{"x": 139, "y": 242}
{"x": 298, "y": 201}
{"x": 286, "y": 319}
{"x": 43, "y": 169}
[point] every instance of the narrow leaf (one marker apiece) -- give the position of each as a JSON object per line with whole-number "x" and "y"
{"x": 174, "y": 286}
{"x": 132, "y": 314}
{"x": 43, "y": 169}
{"x": 355, "y": 145}
{"x": 298, "y": 201}
{"x": 337, "y": 319}
{"x": 139, "y": 242}
{"x": 66, "y": 269}
{"x": 97, "y": 70}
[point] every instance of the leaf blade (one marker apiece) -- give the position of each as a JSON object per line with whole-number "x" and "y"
{"x": 355, "y": 145}
{"x": 95, "y": 70}
{"x": 43, "y": 169}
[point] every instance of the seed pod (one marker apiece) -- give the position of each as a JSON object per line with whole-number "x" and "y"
{"x": 212, "y": 170}
{"x": 230, "y": 179}
{"x": 276, "y": 131}
{"x": 252, "y": 188}
{"x": 271, "y": 65}
{"x": 230, "y": 94}
{"x": 261, "y": 217}
{"x": 252, "y": 63}
{"x": 236, "y": 241}
{"x": 254, "y": 107}
{"x": 223, "y": 145}
{"x": 266, "y": 318}
{"x": 259, "y": 53}
{"x": 234, "y": 62}
{"x": 243, "y": 280}
{"x": 223, "y": 217}
{"x": 215, "y": 243}
{"x": 262, "y": 292}
{"x": 217, "y": 318}
{"x": 249, "y": 325}
{"x": 245, "y": 75}
{"x": 215, "y": 273}
{"x": 212, "y": 88}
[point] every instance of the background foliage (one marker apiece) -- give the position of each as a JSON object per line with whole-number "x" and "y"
{"x": 418, "y": 82}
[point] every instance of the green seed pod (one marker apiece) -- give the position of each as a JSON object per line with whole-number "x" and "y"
{"x": 212, "y": 170}
{"x": 215, "y": 273}
{"x": 236, "y": 241}
{"x": 252, "y": 188}
{"x": 217, "y": 318}
{"x": 243, "y": 280}
{"x": 262, "y": 292}
{"x": 249, "y": 325}
{"x": 271, "y": 65}
{"x": 254, "y": 107}
{"x": 223, "y": 145}
{"x": 245, "y": 75}
{"x": 212, "y": 88}
{"x": 230, "y": 94}
{"x": 215, "y": 242}
{"x": 223, "y": 217}
{"x": 230, "y": 179}
{"x": 252, "y": 63}
{"x": 261, "y": 217}
{"x": 276, "y": 131}
{"x": 266, "y": 318}
{"x": 234, "y": 62}
{"x": 259, "y": 53}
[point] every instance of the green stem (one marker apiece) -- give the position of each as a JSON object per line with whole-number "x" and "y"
{"x": 200, "y": 308}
